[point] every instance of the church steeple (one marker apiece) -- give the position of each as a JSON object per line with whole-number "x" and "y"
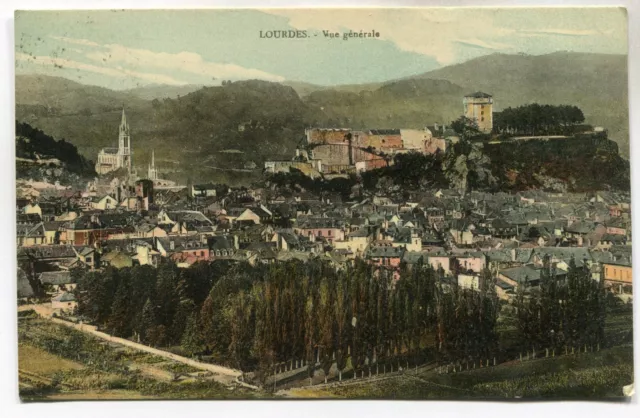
{"x": 124, "y": 127}
{"x": 152, "y": 173}
{"x": 124, "y": 144}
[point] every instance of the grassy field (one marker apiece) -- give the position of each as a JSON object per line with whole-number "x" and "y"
{"x": 58, "y": 363}
{"x": 598, "y": 375}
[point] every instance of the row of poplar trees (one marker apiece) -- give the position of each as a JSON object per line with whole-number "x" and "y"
{"x": 310, "y": 314}
{"x": 295, "y": 313}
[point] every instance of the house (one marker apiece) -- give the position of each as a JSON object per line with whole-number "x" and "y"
{"x": 257, "y": 215}
{"x": 326, "y": 228}
{"x": 469, "y": 281}
{"x": 618, "y": 276}
{"x": 413, "y": 258}
{"x": 90, "y": 229}
{"x": 502, "y": 229}
{"x": 609, "y": 240}
{"x": 221, "y": 247}
{"x": 145, "y": 254}
{"x": 54, "y": 255}
{"x": 183, "y": 221}
{"x": 65, "y": 302}
{"x": 203, "y": 190}
{"x": 471, "y": 261}
{"x": 185, "y": 251}
{"x": 104, "y": 203}
{"x": 438, "y": 259}
{"x": 356, "y": 241}
{"x": 527, "y": 276}
{"x": 286, "y": 240}
{"x": 117, "y": 259}
{"x": 30, "y": 235}
{"x": 407, "y": 238}
{"x": 461, "y": 232}
{"x": 58, "y": 281}
{"x": 385, "y": 255}
{"x": 52, "y": 231}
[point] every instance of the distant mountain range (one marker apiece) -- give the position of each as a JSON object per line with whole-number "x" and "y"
{"x": 212, "y": 131}
{"x": 163, "y": 91}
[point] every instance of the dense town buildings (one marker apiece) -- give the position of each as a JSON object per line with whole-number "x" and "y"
{"x": 125, "y": 222}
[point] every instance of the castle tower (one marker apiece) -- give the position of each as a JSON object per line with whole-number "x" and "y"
{"x": 478, "y": 106}
{"x": 124, "y": 144}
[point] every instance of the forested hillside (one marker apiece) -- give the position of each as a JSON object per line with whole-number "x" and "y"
{"x": 228, "y": 130}
{"x": 38, "y": 153}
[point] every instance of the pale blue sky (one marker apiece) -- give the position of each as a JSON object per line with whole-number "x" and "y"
{"x": 123, "y": 49}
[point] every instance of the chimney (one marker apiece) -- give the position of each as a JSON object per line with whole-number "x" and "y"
{"x": 236, "y": 244}
{"x": 172, "y": 245}
{"x": 513, "y": 254}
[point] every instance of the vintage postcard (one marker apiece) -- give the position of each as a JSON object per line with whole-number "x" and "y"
{"x": 413, "y": 203}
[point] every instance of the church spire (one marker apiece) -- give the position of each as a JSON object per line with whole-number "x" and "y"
{"x": 123, "y": 122}
{"x": 153, "y": 158}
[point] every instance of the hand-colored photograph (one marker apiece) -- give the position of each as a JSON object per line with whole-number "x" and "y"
{"x": 383, "y": 203}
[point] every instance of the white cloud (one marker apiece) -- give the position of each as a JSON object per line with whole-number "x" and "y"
{"x": 75, "y": 41}
{"x": 62, "y": 63}
{"x": 114, "y": 56}
{"x": 188, "y": 62}
{"x": 478, "y": 43}
{"x": 564, "y": 32}
{"x": 433, "y": 32}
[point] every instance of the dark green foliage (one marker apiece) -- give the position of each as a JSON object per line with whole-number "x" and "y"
{"x": 192, "y": 338}
{"x": 32, "y": 143}
{"x": 561, "y": 314}
{"x": 535, "y": 119}
{"x": 265, "y": 317}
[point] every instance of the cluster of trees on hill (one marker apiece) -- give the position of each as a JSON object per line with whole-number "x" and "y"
{"x": 313, "y": 314}
{"x": 536, "y": 119}
{"x": 31, "y": 142}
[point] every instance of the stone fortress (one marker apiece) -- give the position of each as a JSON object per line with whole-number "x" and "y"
{"x": 341, "y": 151}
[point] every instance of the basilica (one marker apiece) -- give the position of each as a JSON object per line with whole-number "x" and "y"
{"x": 112, "y": 159}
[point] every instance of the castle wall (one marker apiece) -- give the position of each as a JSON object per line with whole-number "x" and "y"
{"x": 326, "y": 136}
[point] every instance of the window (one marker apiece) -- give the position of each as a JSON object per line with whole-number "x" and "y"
{"x": 482, "y": 112}
{"x": 329, "y": 232}
{"x": 319, "y": 233}
{"x": 482, "y": 119}
{"x": 202, "y": 253}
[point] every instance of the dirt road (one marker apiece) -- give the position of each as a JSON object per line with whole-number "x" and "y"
{"x": 221, "y": 374}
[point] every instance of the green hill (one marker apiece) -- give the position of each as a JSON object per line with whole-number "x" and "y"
{"x": 403, "y": 103}
{"x": 225, "y": 133}
{"x": 161, "y": 91}
{"x": 38, "y": 155}
{"x": 596, "y": 83}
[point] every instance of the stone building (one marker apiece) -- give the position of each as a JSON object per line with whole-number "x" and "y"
{"x": 478, "y": 106}
{"x": 112, "y": 159}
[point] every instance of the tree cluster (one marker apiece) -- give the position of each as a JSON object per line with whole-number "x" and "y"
{"x": 536, "y": 119}
{"x": 562, "y": 314}
{"x": 312, "y": 313}
{"x": 31, "y": 142}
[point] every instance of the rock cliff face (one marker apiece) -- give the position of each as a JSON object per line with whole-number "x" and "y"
{"x": 583, "y": 162}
